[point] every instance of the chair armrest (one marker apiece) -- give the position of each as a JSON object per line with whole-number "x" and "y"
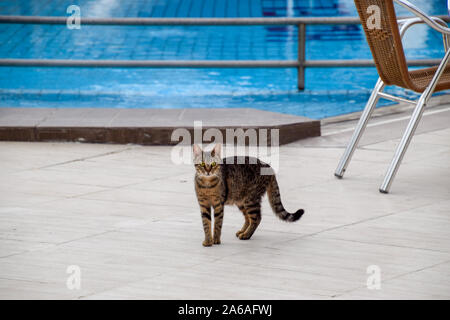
{"x": 405, "y": 24}
{"x": 431, "y": 21}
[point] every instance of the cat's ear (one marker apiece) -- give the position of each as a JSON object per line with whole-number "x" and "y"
{"x": 217, "y": 150}
{"x": 197, "y": 151}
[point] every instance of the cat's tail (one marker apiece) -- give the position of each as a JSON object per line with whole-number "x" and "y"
{"x": 273, "y": 193}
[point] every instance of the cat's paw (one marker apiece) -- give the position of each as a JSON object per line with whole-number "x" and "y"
{"x": 216, "y": 241}
{"x": 239, "y": 233}
{"x": 207, "y": 243}
{"x": 244, "y": 236}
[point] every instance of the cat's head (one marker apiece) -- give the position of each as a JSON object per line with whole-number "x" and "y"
{"x": 207, "y": 163}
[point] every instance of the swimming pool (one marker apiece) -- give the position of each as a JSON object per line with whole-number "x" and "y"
{"x": 329, "y": 91}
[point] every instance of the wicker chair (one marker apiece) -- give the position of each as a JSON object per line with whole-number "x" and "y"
{"x": 385, "y": 42}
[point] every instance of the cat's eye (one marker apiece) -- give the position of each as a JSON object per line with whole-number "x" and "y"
{"x": 202, "y": 164}
{"x": 213, "y": 164}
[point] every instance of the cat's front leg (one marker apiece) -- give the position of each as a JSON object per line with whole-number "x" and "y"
{"x": 218, "y": 220}
{"x": 206, "y": 220}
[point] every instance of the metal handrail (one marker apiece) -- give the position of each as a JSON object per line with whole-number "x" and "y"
{"x": 181, "y": 21}
{"x": 300, "y": 64}
{"x": 189, "y": 21}
{"x": 422, "y": 15}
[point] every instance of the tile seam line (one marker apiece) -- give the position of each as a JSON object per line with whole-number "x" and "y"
{"x": 394, "y": 277}
{"x": 59, "y": 243}
{"x": 298, "y": 271}
{"x": 118, "y": 286}
{"x": 396, "y": 110}
{"x": 142, "y": 203}
{"x": 39, "y": 122}
{"x": 180, "y": 116}
{"x": 353, "y": 223}
{"x": 387, "y": 245}
{"x": 159, "y": 275}
{"x": 82, "y": 196}
{"x": 115, "y": 117}
{"x": 26, "y": 280}
{"x": 379, "y": 123}
{"x": 81, "y": 159}
{"x": 65, "y": 242}
{"x": 44, "y": 119}
{"x": 22, "y": 240}
{"x": 99, "y": 191}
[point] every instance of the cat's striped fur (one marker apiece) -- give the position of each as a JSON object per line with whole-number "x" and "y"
{"x": 238, "y": 180}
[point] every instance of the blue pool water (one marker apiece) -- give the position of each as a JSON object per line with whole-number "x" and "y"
{"x": 329, "y": 91}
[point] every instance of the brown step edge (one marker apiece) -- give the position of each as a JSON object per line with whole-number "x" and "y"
{"x": 143, "y": 126}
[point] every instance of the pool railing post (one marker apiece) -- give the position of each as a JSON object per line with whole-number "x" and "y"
{"x": 301, "y": 42}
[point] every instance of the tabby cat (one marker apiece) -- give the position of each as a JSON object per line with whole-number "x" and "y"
{"x": 238, "y": 181}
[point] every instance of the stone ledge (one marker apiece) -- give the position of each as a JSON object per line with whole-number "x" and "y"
{"x": 142, "y": 126}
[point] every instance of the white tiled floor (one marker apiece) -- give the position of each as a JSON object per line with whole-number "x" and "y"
{"x": 129, "y": 219}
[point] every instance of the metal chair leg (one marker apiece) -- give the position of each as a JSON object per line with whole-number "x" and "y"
{"x": 401, "y": 149}
{"x": 412, "y": 125}
{"x": 359, "y": 130}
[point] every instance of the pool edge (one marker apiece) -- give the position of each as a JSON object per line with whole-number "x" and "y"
{"x": 143, "y": 126}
